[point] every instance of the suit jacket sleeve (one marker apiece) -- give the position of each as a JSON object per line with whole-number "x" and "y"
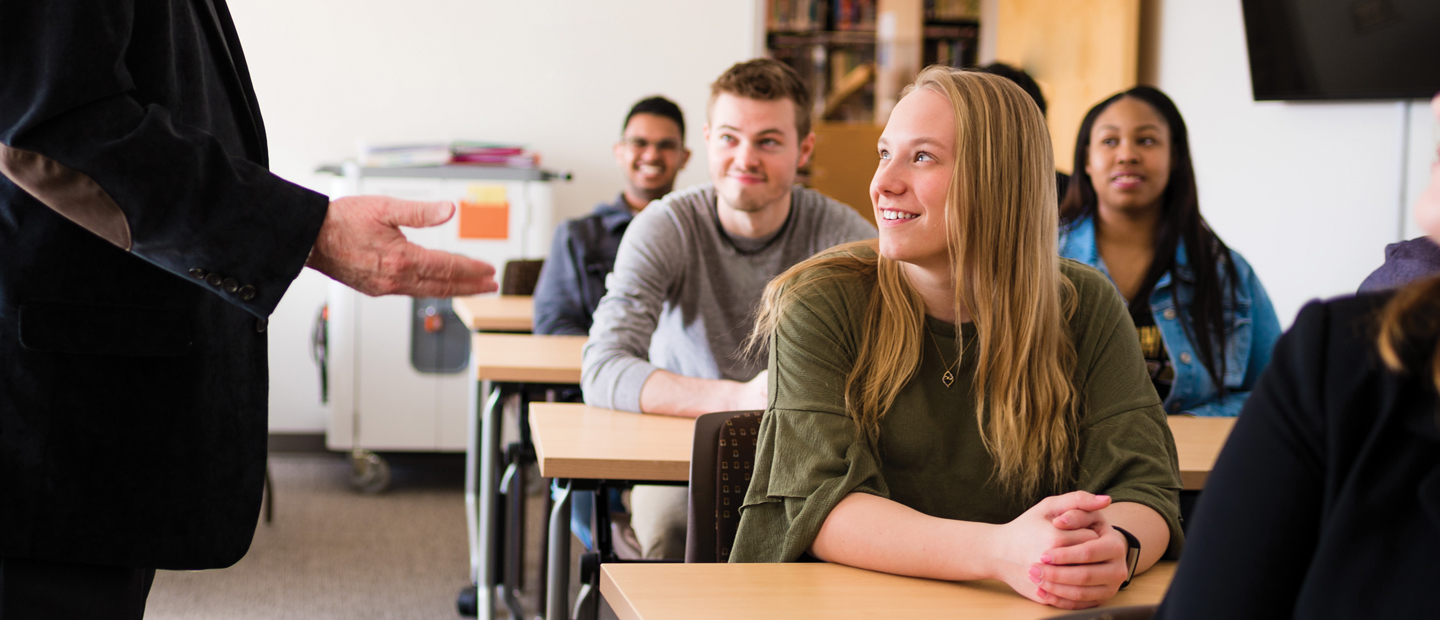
{"x": 1255, "y": 532}
{"x": 79, "y": 134}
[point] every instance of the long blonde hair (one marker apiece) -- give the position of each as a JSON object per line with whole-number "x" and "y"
{"x": 1000, "y": 221}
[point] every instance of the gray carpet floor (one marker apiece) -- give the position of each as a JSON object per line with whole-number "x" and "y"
{"x": 335, "y": 553}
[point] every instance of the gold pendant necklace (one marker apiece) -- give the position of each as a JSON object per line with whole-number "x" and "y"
{"x": 947, "y": 378}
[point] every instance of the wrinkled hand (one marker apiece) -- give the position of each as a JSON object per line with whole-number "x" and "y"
{"x": 1024, "y": 543}
{"x": 360, "y": 245}
{"x": 1083, "y": 575}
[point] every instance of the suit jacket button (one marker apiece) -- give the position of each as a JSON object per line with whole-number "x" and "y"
{"x": 1170, "y": 314}
{"x": 214, "y": 279}
{"x": 1185, "y": 358}
{"x": 197, "y": 273}
{"x": 247, "y": 293}
{"x": 231, "y": 285}
{"x": 260, "y": 325}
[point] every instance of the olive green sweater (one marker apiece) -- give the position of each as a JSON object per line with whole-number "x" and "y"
{"x": 931, "y": 455}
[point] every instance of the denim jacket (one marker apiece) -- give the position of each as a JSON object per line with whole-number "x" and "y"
{"x": 1250, "y": 334}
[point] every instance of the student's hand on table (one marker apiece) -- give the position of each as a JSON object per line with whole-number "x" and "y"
{"x": 753, "y": 394}
{"x": 1023, "y": 544}
{"x": 361, "y": 246}
{"x": 1087, "y": 574}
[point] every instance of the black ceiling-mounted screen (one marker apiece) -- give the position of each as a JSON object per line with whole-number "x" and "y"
{"x": 1343, "y": 49}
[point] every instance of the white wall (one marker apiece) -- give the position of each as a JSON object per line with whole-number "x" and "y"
{"x": 1310, "y": 193}
{"x": 556, "y": 75}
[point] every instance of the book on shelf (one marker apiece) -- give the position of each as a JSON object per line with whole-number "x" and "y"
{"x": 820, "y": 15}
{"x": 952, "y": 10}
{"x": 797, "y": 15}
{"x": 854, "y": 14}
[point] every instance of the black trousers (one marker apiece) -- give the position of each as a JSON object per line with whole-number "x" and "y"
{"x": 41, "y": 590}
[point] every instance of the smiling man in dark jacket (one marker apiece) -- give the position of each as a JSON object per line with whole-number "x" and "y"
{"x": 143, "y": 246}
{"x": 651, "y": 153}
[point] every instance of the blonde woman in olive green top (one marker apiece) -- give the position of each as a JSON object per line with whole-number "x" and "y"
{"x": 1012, "y": 448}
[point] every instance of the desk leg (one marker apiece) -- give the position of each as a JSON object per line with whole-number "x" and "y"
{"x": 557, "y": 606}
{"x": 480, "y": 494}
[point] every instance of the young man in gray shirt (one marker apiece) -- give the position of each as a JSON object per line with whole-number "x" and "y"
{"x": 692, "y": 266}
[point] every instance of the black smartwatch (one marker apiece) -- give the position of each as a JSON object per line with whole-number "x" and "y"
{"x": 1132, "y": 554}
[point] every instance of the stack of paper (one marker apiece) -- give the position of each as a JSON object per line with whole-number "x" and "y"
{"x": 404, "y": 155}
{"x": 440, "y": 154}
{"x": 491, "y": 154}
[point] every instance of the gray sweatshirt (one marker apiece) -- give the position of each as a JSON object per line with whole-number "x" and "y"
{"x": 683, "y": 293}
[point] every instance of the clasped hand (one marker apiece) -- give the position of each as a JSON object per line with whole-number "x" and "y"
{"x": 360, "y": 245}
{"x": 1062, "y": 552}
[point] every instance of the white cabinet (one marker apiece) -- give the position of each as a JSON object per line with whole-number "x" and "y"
{"x": 393, "y": 385}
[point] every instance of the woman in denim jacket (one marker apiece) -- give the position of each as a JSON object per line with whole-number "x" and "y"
{"x": 1203, "y": 318}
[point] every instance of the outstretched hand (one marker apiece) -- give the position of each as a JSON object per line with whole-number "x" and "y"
{"x": 361, "y": 246}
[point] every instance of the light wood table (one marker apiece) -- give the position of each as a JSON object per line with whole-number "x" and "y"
{"x": 1198, "y": 442}
{"x": 830, "y": 591}
{"x": 526, "y": 358}
{"x": 574, "y": 441}
{"x": 508, "y": 360}
{"x": 495, "y": 313}
{"x": 579, "y": 441}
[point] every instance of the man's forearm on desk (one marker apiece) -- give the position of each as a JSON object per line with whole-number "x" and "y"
{"x": 671, "y": 394}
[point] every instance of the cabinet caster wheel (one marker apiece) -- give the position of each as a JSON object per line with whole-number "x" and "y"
{"x": 467, "y": 602}
{"x": 368, "y": 472}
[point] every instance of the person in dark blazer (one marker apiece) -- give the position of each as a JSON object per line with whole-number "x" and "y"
{"x": 1325, "y": 501}
{"x": 143, "y": 246}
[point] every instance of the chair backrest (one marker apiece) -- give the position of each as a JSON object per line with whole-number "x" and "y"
{"x": 520, "y": 277}
{"x": 720, "y": 466}
{"x": 1137, "y": 612}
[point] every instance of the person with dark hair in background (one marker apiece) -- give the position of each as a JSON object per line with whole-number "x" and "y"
{"x": 144, "y": 245}
{"x": 1027, "y": 84}
{"x": 1204, "y": 320}
{"x": 1325, "y": 502}
{"x": 651, "y": 152}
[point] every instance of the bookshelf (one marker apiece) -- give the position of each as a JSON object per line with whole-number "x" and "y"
{"x": 856, "y": 56}
{"x": 831, "y": 44}
{"x": 841, "y": 47}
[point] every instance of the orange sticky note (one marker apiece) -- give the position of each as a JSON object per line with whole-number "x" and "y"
{"x": 484, "y": 220}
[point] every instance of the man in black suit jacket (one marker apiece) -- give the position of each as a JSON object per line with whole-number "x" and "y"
{"x": 143, "y": 244}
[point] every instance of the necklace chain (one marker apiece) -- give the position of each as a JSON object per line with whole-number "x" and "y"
{"x": 947, "y": 378}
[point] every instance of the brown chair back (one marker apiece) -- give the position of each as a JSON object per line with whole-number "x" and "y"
{"x": 520, "y": 277}
{"x": 720, "y": 466}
